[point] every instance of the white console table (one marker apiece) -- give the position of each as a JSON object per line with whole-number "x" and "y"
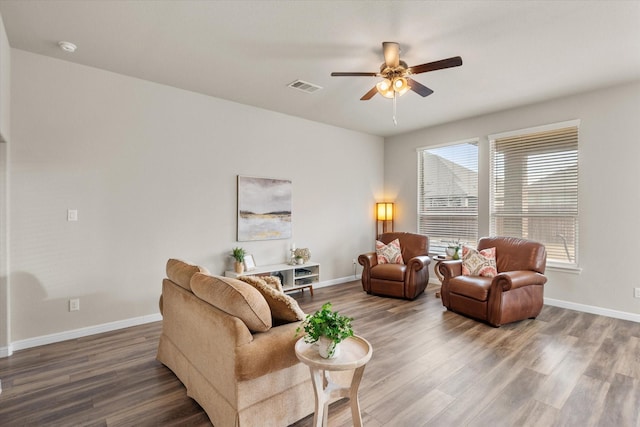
{"x": 294, "y": 277}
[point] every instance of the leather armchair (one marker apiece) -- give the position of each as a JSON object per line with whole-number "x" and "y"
{"x": 516, "y": 293}
{"x": 406, "y": 280}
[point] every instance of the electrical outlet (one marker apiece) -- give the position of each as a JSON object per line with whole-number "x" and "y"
{"x": 353, "y": 261}
{"x": 74, "y": 304}
{"x": 636, "y": 293}
{"x": 72, "y": 215}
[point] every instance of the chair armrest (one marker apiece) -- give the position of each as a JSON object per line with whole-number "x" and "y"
{"x": 517, "y": 279}
{"x": 450, "y": 268}
{"x": 417, "y": 263}
{"x": 368, "y": 260}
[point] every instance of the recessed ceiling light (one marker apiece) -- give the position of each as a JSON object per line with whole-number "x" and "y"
{"x": 67, "y": 46}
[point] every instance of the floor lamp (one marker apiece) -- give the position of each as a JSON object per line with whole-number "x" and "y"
{"x": 384, "y": 217}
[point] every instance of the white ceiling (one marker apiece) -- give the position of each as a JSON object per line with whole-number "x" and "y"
{"x": 514, "y": 52}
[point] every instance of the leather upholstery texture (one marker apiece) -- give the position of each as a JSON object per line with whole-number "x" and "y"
{"x": 407, "y": 280}
{"x": 516, "y": 293}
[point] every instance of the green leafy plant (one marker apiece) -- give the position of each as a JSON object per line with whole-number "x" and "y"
{"x": 238, "y": 254}
{"x": 326, "y": 323}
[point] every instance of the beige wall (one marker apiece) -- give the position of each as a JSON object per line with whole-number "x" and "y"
{"x": 152, "y": 172}
{"x": 5, "y": 88}
{"x": 608, "y": 188}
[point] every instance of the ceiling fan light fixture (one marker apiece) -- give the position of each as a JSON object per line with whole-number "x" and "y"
{"x": 400, "y": 85}
{"x": 385, "y": 88}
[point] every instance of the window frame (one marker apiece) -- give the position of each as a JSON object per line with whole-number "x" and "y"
{"x": 569, "y": 264}
{"x": 439, "y": 249}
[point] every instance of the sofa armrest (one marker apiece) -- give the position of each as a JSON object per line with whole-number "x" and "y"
{"x": 450, "y": 269}
{"x": 417, "y": 263}
{"x": 269, "y": 351}
{"x": 517, "y": 279}
{"x": 368, "y": 260}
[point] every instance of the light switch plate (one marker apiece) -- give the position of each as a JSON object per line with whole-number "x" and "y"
{"x": 72, "y": 215}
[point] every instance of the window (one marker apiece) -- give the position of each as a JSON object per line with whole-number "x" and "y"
{"x": 448, "y": 194}
{"x": 534, "y": 188}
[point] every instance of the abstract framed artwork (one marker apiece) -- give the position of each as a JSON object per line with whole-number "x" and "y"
{"x": 264, "y": 208}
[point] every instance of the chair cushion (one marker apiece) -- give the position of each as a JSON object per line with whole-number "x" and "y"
{"x": 235, "y": 298}
{"x": 389, "y": 254}
{"x": 475, "y": 287}
{"x": 392, "y": 272}
{"x": 479, "y": 263}
{"x": 284, "y": 309}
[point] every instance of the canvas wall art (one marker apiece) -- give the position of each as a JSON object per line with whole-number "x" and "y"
{"x": 264, "y": 208}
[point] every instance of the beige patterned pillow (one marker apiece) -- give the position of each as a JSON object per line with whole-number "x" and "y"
{"x": 481, "y": 263}
{"x": 389, "y": 254}
{"x": 283, "y": 307}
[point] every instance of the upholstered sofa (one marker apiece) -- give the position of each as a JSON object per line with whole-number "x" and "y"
{"x": 220, "y": 339}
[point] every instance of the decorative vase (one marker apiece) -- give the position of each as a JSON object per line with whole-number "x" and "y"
{"x": 300, "y": 261}
{"x": 456, "y": 254}
{"x": 325, "y": 345}
{"x": 238, "y": 267}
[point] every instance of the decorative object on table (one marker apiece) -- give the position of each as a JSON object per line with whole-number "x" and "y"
{"x": 328, "y": 328}
{"x": 238, "y": 254}
{"x": 264, "y": 208}
{"x": 384, "y": 218}
{"x": 454, "y": 249}
{"x": 299, "y": 260}
{"x": 303, "y": 253}
{"x": 249, "y": 263}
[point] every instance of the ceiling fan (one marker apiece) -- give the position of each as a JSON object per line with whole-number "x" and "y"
{"x": 396, "y": 74}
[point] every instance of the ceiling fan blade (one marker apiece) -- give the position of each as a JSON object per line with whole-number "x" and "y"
{"x": 349, "y": 74}
{"x": 391, "y": 51}
{"x": 455, "y": 61}
{"x": 419, "y": 88}
{"x": 367, "y": 96}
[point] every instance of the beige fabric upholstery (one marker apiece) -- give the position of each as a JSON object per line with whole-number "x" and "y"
{"x": 180, "y": 272}
{"x": 240, "y": 379}
{"x": 283, "y": 307}
{"x": 235, "y": 298}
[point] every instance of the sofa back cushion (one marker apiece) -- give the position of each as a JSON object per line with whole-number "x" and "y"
{"x": 234, "y": 297}
{"x": 180, "y": 272}
{"x": 284, "y": 309}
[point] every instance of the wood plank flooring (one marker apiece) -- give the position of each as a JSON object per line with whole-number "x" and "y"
{"x": 430, "y": 367}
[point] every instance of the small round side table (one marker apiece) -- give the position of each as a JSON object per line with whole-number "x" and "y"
{"x": 355, "y": 352}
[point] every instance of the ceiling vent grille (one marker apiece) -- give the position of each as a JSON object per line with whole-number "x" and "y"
{"x": 304, "y": 86}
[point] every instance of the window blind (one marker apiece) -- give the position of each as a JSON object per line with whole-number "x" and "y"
{"x": 534, "y": 189}
{"x": 448, "y": 194}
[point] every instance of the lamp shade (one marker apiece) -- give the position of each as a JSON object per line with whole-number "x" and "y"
{"x": 384, "y": 211}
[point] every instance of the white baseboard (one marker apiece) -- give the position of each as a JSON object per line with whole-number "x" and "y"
{"x": 593, "y": 309}
{"x": 6, "y": 351}
{"x": 78, "y": 333}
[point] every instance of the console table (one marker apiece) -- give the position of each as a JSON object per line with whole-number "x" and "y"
{"x": 294, "y": 277}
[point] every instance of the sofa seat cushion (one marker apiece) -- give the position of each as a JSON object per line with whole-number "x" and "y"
{"x": 393, "y": 272}
{"x": 180, "y": 272}
{"x": 235, "y": 298}
{"x": 475, "y": 287}
{"x": 284, "y": 309}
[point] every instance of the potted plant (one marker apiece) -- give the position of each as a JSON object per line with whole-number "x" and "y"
{"x": 328, "y": 328}
{"x": 454, "y": 250}
{"x": 238, "y": 254}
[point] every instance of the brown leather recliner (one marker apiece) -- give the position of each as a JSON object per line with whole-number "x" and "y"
{"x": 406, "y": 280}
{"x": 516, "y": 293}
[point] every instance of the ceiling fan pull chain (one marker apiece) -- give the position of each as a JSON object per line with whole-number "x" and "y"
{"x": 395, "y": 97}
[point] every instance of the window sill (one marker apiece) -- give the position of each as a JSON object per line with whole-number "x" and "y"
{"x": 564, "y": 268}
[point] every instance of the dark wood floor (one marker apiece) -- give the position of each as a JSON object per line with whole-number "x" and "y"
{"x": 430, "y": 367}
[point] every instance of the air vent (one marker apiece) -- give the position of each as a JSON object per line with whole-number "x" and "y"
{"x": 304, "y": 86}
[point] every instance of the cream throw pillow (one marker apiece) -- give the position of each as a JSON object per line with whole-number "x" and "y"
{"x": 389, "y": 254}
{"x": 283, "y": 307}
{"x": 481, "y": 263}
{"x": 235, "y": 298}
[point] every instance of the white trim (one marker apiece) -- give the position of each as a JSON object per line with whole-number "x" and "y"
{"x": 535, "y": 129}
{"x": 446, "y": 144}
{"x": 83, "y": 332}
{"x": 333, "y": 282}
{"x": 564, "y": 268}
{"x": 6, "y": 351}
{"x": 593, "y": 310}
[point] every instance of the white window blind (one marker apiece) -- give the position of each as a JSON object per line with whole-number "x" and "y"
{"x": 534, "y": 189}
{"x": 448, "y": 194}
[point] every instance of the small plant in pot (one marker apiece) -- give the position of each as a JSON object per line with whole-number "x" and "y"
{"x": 328, "y": 328}
{"x": 238, "y": 254}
